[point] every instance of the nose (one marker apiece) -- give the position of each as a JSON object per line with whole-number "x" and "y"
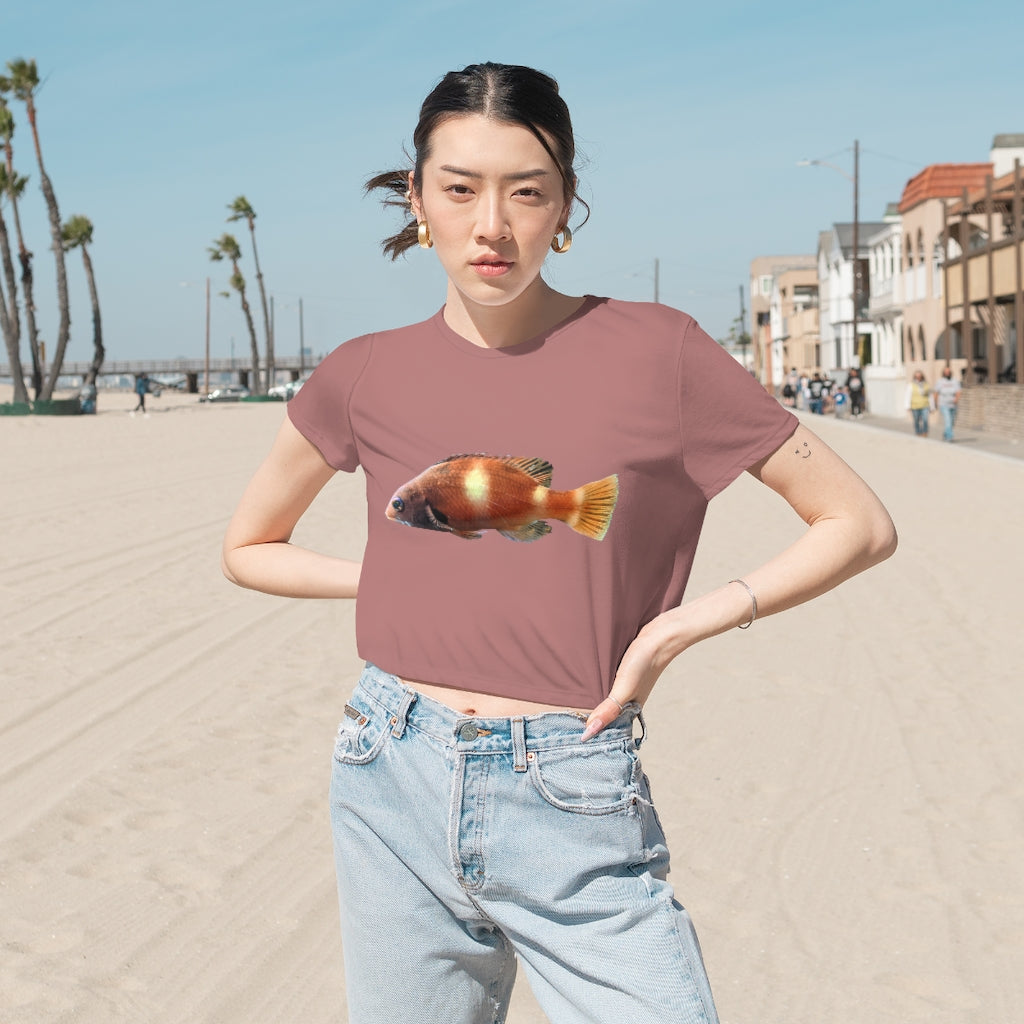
{"x": 492, "y": 220}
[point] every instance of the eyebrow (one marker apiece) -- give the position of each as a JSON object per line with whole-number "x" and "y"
{"x": 538, "y": 172}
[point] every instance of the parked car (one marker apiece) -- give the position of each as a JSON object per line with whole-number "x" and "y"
{"x": 227, "y": 393}
{"x": 287, "y": 390}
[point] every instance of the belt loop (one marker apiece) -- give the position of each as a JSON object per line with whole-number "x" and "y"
{"x": 401, "y": 716}
{"x": 519, "y": 744}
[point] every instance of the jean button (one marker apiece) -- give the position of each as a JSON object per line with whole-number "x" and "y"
{"x": 468, "y": 731}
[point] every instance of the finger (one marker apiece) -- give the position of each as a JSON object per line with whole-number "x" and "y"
{"x": 604, "y": 714}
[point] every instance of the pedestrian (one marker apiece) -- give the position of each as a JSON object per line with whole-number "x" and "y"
{"x": 855, "y": 389}
{"x": 791, "y": 389}
{"x": 841, "y": 403}
{"x": 947, "y": 399}
{"x": 919, "y": 402}
{"x": 537, "y": 469}
{"x": 816, "y": 394}
{"x": 141, "y": 389}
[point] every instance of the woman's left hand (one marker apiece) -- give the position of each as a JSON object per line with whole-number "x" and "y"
{"x": 641, "y": 666}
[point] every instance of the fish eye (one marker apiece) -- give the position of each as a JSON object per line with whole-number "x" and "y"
{"x": 397, "y": 504}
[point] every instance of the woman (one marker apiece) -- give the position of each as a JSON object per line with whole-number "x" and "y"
{"x": 919, "y": 402}
{"x": 537, "y": 469}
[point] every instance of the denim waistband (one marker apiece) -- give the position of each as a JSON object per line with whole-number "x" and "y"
{"x": 478, "y": 734}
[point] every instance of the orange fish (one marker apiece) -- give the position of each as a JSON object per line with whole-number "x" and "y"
{"x": 468, "y": 493}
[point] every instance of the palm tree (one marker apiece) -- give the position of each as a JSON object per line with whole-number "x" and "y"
{"x": 241, "y": 209}
{"x": 9, "y": 323}
{"x": 22, "y": 82}
{"x": 227, "y": 248}
{"x": 14, "y": 188}
{"x": 77, "y": 234}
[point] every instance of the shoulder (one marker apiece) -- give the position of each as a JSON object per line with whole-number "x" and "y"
{"x": 650, "y": 317}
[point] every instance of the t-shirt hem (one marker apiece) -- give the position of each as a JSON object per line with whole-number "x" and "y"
{"x": 491, "y": 687}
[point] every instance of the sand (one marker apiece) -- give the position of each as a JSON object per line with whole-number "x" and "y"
{"x": 841, "y": 785}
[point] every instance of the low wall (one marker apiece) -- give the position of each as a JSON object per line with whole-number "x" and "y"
{"x": 993, "y": 408}
{"x": 886, "y": 390}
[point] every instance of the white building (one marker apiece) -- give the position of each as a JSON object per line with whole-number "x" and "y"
{"x": 844, "y": 343}
{"x": 885, "y": 377}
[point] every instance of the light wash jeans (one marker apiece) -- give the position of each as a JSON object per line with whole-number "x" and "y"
{"x": 920, "y": 420}
{"x": 948, "y": 421}
{"x": 465, "y": 845}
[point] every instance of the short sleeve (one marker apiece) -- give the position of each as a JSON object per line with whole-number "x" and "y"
{"x": 728, "y": 421}
{"x": 320, "y": 410}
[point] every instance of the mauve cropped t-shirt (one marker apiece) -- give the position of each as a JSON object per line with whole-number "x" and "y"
{"x": 512, "y": 599}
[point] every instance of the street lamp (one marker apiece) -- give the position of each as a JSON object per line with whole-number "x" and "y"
{"x": 855, "y": 179}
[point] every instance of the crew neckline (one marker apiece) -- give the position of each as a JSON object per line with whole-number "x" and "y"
{"x": 520, "y": 348}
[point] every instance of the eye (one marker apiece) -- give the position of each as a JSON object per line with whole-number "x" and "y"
{"x": 397, "y": 504}
{"x": 458, "y": 190}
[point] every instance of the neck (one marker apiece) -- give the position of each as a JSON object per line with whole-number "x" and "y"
{"x": 536, "y": 310}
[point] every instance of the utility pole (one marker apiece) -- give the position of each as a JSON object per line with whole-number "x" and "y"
{"x": 206, "y": 362}
{"x": 657, "y": 266}
{"x": 744, "y": 337}
{"x": 302, "y": 345}
{"x": 856, "y": 249}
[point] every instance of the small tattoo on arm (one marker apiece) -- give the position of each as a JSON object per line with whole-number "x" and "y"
{"x": 803, "y": 454}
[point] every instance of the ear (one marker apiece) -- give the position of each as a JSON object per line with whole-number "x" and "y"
{"x": 414, "y": 199}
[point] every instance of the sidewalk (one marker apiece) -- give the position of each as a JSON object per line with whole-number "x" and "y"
{"x": 971, "y": 440}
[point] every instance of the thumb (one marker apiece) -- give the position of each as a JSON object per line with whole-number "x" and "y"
{"x": 603, "y": 715}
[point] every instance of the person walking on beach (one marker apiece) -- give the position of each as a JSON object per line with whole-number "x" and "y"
{"x": 947, "y": 399}
{"x": 816, "y": 392}
{"x": 919, "y": 402}
{"x": 141, "y": 388}
{"x": 537, "y": 470}
{"x": 855, "y": 389}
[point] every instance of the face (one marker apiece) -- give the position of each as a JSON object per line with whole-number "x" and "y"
{"x": 493, "y": 200}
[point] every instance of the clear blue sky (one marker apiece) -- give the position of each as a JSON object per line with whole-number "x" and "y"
{"x": 691, "y": 119}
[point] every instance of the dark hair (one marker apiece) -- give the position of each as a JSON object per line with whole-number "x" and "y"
{"x": 505, "y": 92}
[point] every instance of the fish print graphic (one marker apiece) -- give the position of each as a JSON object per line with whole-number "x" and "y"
{"x": 465, "y": 494}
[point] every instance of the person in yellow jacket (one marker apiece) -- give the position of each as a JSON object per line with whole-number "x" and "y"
{"x": 919, "y": 402}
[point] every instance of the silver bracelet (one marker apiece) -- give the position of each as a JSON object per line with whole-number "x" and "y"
{"x": 753, "y": 603}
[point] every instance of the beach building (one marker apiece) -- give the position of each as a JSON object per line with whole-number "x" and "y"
{"x": 764, "y": 270}
{"x": 885, "y": 377}
{"x": 983, "y": 279}
{"x": 846, "y": 334}
{"x": 793, "y": 319}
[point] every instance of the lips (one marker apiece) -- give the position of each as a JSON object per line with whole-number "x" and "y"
{"x": 491, "y": 268}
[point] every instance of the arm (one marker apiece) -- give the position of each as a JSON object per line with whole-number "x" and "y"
{"x": 257, "y": 553}
{"x": 848, "y": 531}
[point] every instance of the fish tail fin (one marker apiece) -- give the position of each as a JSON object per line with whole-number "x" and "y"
{"x": 593, "y": 514}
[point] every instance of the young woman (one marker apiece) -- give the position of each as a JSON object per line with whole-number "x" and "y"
{"x": 537, "y": 471}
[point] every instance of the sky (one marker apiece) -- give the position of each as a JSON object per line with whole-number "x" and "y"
{"x": 690, "y": 120}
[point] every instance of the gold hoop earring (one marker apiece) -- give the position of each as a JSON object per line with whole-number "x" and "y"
{"x": 423, "y": 235}
{"x": 566, "y": 244}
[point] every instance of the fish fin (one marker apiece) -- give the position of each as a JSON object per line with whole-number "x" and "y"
{"x": 466, "y": 535}
{"x": 531, "y": 531}
{"x": 540, "y": 469}
{"x": 597, "y": 503}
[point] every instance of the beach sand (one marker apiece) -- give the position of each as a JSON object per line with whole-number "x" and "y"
{"x": 841, "y": 784}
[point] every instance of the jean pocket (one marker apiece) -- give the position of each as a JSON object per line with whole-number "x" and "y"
{"x": 362, "y": 733}
{"x": 585, "y": 779}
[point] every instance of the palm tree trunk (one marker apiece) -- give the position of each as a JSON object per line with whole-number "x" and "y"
{"x": 256, "y": 387}
{"x": 98, "y": 352}
{"x": 271, "y": 369}
{"x": 9, "y": 322}
{"x": 64, "y": 327}
{"x": 25, "y": 259}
